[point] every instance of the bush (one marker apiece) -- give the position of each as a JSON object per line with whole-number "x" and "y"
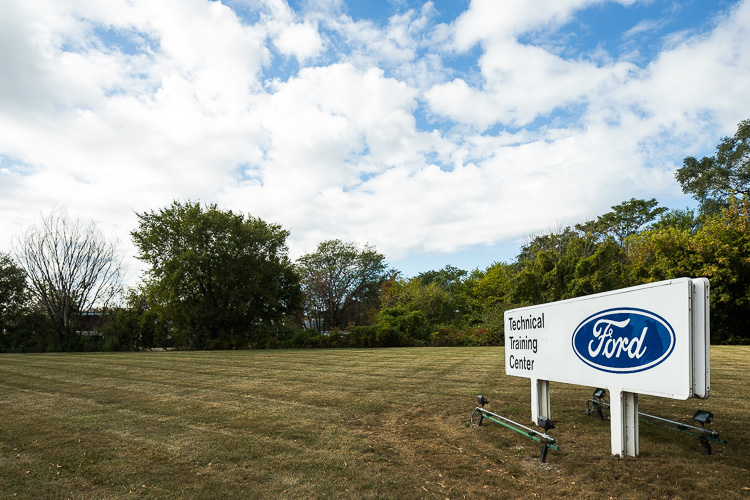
{"x": 478, "y": 336}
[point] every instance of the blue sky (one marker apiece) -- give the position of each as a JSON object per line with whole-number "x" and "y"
{"x": 442, "y": 133}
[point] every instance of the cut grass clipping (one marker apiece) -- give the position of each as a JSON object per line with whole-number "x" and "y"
{"x": 378, "y": 423}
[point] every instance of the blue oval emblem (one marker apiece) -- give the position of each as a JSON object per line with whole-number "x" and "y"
{"x": 623, "y": 340}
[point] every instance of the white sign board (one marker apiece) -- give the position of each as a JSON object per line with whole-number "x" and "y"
{"x": 650, "y": 339}
{"x": 636, "y": 339}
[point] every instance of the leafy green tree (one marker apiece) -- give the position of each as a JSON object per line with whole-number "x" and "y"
{"x": 713, "y": 180}
{"x": 131, "y": 325}
{"x": 32, "y": 332}
{"x": 723, "y": 252}
{"x": 396, "y": 327}
{"x": 489, "y": 296}
{"x": 217, "y": 279}
{"x": 14, "y": 297}
{"x": 686, "y": 220}
{"x": 341, "y": 284}
{"x": 547, "y": 267}
{"x": 457, "y": 284}
{"x": 718, "y": 250}
{"x": 491, "y": 287}
{"x": 555, "y": 244}
{"x": 628, "y": 218}
{"x": 600, "y": 271}
{"x": 567, "y": 264}
{"x": 434, "y": 301}
{"x": 449, "y": 277}
{"x": 572, "y": 262}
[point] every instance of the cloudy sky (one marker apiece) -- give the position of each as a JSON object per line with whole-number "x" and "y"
{"x": 440, "y": 132}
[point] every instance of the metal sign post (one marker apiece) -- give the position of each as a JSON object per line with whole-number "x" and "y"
{"x": 651, "y": 339}
{"x": 624, "y": 416}
{"x": 540, "y": 400}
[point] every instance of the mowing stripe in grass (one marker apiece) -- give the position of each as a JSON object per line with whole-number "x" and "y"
{"x": 379, "y": 423}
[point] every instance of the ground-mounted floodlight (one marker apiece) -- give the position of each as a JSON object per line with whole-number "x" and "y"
{"x": 545, "y": 423}
{"x": 546, "y": 440}
{"x": 597, "y": 403}
{"x": 703, "y": 417}
{"x": 481, "y": 401}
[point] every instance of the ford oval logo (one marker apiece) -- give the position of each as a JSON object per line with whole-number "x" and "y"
{"x": 624, "y": 340}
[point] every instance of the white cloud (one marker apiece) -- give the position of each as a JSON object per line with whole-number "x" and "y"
{"x": 300, "y": 40}
{"x": 490, "y": 21}
{"x": 329, "y": 130}
{"x": 642, "y": 27}
{"x": 702, "y": 77}
{"x": 408, "y": 47}
{"x": 190, "y": 106}
{"x": 108, "y": 132}
{"x": 521, "y": 83}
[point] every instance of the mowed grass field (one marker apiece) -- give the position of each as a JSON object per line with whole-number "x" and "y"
{"x": 378, "y": 423}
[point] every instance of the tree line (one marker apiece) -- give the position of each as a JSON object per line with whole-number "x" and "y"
{"x": 217, "y": 279}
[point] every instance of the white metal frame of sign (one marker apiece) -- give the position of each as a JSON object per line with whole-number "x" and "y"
{"x": 651, "y": 339}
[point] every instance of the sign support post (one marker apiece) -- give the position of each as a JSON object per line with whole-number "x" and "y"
{"x": 624, "y": 421}
{"x": 540, "y": 402}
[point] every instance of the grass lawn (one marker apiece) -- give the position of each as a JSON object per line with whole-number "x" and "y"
{"x": 382, "y": 423}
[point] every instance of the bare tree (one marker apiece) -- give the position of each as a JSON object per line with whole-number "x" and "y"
{"x": 71, "y": 267}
